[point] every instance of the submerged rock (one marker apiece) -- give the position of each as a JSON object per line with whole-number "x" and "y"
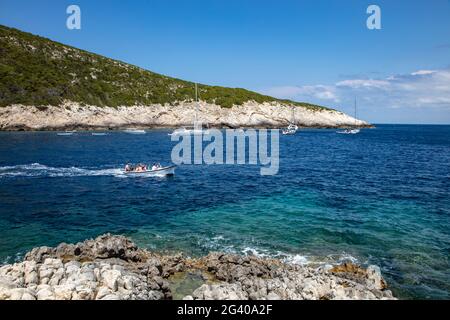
{"x": 114, "y": 268}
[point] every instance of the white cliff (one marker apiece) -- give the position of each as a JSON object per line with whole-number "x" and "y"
{"x": 251, "y": 114}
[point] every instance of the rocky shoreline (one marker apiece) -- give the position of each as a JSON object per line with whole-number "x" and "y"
{"x": 112, "y": 267}
{"x": 73, "y": 116}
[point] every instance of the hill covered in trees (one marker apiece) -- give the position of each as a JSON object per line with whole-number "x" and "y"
{"x": 37, "y": 71}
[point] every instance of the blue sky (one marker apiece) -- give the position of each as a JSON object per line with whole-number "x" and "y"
{"x": 315, "y": 51}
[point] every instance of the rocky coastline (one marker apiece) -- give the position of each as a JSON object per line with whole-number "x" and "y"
{"x": 73, "y": 116}
{"x": 112, "y": 267}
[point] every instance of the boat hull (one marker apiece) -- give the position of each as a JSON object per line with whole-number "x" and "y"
{"x": 164, "y": 171}
{"x": 353, "y": 131}
{"x": 189, "y": 132}
{"x": 132, "y": 131}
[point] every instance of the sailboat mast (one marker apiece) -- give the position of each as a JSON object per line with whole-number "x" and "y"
{"x": 293, "y": 115}
{"x": 196, "y": 104}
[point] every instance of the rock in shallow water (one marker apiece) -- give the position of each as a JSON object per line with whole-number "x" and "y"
{"x": 114, "y": 268}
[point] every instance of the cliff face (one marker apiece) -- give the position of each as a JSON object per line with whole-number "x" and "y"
{"x": 72, "y": 115}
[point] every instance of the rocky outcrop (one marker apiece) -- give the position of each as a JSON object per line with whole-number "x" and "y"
{"x": 71, "y": 115}
{"x": 114, "y": 268}
{"x": 107, "y": 268}
{"x": 254, "y": 278}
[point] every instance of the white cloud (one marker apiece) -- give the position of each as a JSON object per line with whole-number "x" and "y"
{"x": 304, "y": 93}
{"x": 418, "y": 89}
{"x": 363, "y": 83}
{"x": 422, "y": 72}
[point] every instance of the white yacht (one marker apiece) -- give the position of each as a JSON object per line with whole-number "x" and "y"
{"x": 134, "y": 131}
{"x": 351, "y": 131}
{"x": 196, "y": 129}
{"x": 67, "y": 133}
{"x": 292, "y": 128}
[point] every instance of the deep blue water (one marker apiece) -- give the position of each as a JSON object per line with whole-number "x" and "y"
{"x": 380, "y": 197}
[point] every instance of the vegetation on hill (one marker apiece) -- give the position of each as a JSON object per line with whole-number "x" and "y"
{"x": 38, "y": 71}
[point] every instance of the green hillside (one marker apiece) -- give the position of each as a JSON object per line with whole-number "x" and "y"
{"x": 38, "y": 71}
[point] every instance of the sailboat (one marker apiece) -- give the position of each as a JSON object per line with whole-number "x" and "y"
{"x": 196, "y": 129}
{"x": 292, "y": 128}
{"x": 351, "y": 131}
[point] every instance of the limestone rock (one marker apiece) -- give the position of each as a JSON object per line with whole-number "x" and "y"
{"x": 71, "y": 115}
{"x": 114, "y": 268}
{"x": 220, "y": 292}
{"x": 110, "y": 278}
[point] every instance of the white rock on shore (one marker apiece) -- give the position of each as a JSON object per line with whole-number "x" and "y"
{"x": 71, "y": 281}
{"x": 114, "y": 268}
{"x": 251, "y": 114}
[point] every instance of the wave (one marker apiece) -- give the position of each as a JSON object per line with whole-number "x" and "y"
{"x": 18, "y": 257}
{"x": 301, "y": 259}
{"x": 219, "y": 243}
{"x": 40, "y": 170}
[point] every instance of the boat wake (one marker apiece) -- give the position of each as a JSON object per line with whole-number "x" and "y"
{"x": 40, "y": 170}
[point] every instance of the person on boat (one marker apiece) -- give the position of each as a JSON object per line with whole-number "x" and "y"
{"x": 156, "y": 166}
{"x": 128, "y": 168}
{"x": 143, "y": 167}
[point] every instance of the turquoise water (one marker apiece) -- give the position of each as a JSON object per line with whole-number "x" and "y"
{"x": 379, "y": 197}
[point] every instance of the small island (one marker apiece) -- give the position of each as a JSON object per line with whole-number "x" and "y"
{"x": 51, "y": 86}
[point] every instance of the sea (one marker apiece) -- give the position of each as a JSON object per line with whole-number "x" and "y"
{"x": 378, "y": 197}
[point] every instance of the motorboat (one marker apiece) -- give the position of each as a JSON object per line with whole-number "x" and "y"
{"x": 155, "y": 171}
{"x": 99, "y": 133}
{"x": 195, "y": 130}
{"x": 134, "y": 131}
{"x": 349, "y": 131}
{"x": 67, "y": 133}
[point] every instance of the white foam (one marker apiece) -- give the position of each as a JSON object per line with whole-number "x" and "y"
{"x": 257, "y": 252}
{"x": 40, "y": 170}
{"x": 296, "y": 259}
{"x": 219, "y": 243}
{"x": 345, "y": 257}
